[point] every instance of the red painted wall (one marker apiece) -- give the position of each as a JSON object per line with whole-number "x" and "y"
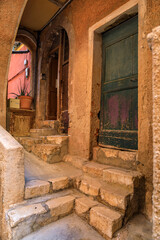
{"x": 16, "y": 76}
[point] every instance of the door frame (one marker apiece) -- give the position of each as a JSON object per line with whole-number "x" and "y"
{"x": 121, "y": 14}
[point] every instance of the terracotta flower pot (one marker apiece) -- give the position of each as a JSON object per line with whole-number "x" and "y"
{"x": 25, "y": 102}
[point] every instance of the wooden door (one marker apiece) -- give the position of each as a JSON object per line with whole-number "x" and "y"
{"x": 119, "y": 94}
{"x": 52, "y": 106}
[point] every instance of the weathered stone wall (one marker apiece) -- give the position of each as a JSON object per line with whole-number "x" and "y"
{"x": 10, "y": 15}
{"x": 11, "y": 176}
{"x": 84, "y": 95}
{"x": 154, "y": 42}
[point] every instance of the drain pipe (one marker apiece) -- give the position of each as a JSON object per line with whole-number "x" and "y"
{"x": 57, "y": 13}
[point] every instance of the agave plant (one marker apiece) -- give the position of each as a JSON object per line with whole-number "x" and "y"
{"x": 22, "y": 90}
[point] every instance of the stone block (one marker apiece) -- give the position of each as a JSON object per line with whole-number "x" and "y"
{"x": 89, "y": 188}
{"x": 124, "y": 177}
{"x": 110, "y": 153}
{"x": 42, "y": 132}
{"x": 127, "y": 156}
{"x": 95, "y": 152}
{"x": 48, "y": 152}
{"x": 59, "y": 183}
{"x": 83, "y": 205}
{"x": 105, "y": 220}
{"x": 61, "y": 206}
{"x": 36, "y": 188}
{"x": 24, "y": 212}
{"x": 95, "y": 169}
{"x": 115, "y": 197}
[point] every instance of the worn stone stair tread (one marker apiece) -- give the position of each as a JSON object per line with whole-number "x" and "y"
{"x": 105, "y": 220}
{"x": 35, "y": 188}
{"x": 122, "y": 176}
{"x": 83, "y": 205}
{"x": 54, "y": 139}
{"x": 36, "y": 132}
{"x": 94, "y": 168}
{"x": 26, "y": 219}
{"x": 115, "y": 195}
{"x": 76, "y": 161}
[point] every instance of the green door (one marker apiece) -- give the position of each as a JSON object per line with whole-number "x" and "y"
{"x": 119, "y": 94}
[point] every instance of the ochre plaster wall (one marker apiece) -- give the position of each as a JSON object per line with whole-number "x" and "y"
{"x": 77, "y": 18}
{"x": 10, "y": 15}
{"x": 154, "y": 43}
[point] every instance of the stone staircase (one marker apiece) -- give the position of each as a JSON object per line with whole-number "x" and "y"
{"x": 103, "y": 194}
{"x": 46, "y": 143}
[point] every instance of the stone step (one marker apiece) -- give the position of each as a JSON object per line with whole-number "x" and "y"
{"x": 105, "y": 220}
{"x": 24, "y": 219}
{"x": 49, "y": 153}
{"x": 55, "y": 139}
{"x": 50, "y": 124}
{"x": 28, "y": 142}
{"x": 125, "y": 177}
{"x": 76, "y": 161}
{"x": 116, "y": 157}
{"x": 94, "y": 169}
{"x": 114, "y": 195}
{"x": 43, "y": 132}
{"x": 36, "y": 188}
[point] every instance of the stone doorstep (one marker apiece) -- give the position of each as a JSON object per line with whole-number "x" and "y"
{"x": 105, "y": 220}
{"x": 115, "y": 153}
{"x": 124, "y": 177}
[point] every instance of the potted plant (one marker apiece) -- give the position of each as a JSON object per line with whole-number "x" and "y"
{"x": 25, "y": 96}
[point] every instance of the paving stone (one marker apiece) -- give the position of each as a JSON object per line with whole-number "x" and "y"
{"x": 61, "y": 206}
{"x": 83, "y": 205}
{"x": 125, "y": 177}
{"x": 21, "y": 213}
{"x": 75, "y": 161}
{"x": 105, "y": 220}
{"x": 59, "y": 183}
{"x": 115, "y": 196}
{"x": 36, "y": 188}
{"x": 95, "y": 169}
{"x": 90, "y": 188}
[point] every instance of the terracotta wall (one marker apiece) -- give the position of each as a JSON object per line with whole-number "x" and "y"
{"x": 16, "y": 75}
{"x": 10, "y": 15}
{"x": 84, "y": 95}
